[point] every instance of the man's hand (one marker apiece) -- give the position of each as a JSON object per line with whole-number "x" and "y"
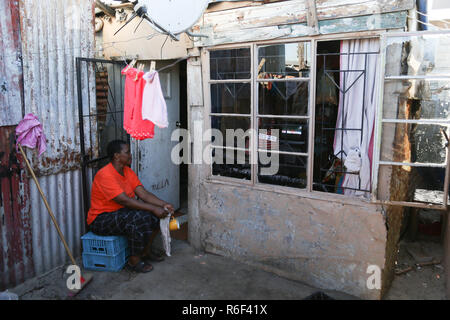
{"x": 160, "y": 213}
{"x": 169, "y": 208}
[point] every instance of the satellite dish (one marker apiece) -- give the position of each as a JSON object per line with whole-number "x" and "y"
{"x": 175, "y": 16}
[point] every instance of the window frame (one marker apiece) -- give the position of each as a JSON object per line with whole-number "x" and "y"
{"x": 256, "y": 115}
{"x": 308, "y": 192}
{"x": 380, "y": 120}
{"x": 207, "y": 82}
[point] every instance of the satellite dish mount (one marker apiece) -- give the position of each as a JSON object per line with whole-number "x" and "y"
{"x": 169, "y": 17}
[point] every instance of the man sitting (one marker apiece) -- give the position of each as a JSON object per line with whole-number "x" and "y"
{"x": 116, "y": 211}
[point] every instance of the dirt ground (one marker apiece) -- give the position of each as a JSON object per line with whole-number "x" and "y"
{"x": 194, "y": 275}
{"x": 185, "y": 275}
{"x": 425, "y": 282}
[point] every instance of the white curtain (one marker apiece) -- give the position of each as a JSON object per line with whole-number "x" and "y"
{"x": 357, "y": 109}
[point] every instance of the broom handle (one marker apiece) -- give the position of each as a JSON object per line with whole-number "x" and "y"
{"x": 48, "y": 207}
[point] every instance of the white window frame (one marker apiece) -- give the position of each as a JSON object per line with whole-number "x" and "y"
{"x": 308, "y": 192}
{"x": 380, "y": 120}
{"x": 254, "y": 107}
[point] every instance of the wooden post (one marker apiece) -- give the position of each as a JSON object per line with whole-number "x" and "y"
{"x": 311, "y": 15}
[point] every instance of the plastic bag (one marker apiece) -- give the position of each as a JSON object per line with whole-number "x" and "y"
{"x": 353, "y": 161}
{"x": 165, "y": 233}
{"x": 6, "y": 295}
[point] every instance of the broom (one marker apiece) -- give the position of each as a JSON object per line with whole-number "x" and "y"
{"x": 87, "y": 276}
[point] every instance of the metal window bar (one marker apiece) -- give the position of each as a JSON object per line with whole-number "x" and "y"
{"x": 110, "y": 94}
{"x": 342, "y": 128}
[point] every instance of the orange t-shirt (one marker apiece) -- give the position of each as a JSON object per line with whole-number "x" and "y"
{"x": 108, "y": 184}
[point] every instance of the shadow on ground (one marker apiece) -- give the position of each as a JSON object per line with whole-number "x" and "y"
{"x": 185, "y": 275}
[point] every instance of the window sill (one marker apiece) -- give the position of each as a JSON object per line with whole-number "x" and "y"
{"x": 301, "y": 193}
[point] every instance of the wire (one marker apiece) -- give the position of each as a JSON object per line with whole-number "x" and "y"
{"x": 174, "y": 63}
{"x": 87, "y": 46}
{"x": 427, "y": 24}
{"x": 427, "y": 15}
{"x": 167, "y": 37}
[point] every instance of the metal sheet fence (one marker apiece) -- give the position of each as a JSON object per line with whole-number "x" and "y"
{"x": 48, "y": 36}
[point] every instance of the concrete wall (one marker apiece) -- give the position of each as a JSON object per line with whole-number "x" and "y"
{"x": 146, "y": 43}
{"x": 322, "y": 243}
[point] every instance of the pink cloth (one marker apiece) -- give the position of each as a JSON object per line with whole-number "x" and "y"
{"x": 133, "y": 123}
{"x": 29, "y": 133}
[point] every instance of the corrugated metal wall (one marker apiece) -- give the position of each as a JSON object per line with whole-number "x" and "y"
{"x": 16, "y": 250}
{"x": 10, "y": 64}
{"x": 16, "y": 254}
{"x": 52, "y": 34}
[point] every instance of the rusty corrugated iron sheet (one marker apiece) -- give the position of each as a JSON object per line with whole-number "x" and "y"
{"x": 16, "y": 249}
{"x": 10, "y": 64}
{"x": 54, "y": 33}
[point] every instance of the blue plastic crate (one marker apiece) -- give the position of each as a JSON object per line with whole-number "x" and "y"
{"x": 103, "y": 245}
{"x": 98, "y": 262}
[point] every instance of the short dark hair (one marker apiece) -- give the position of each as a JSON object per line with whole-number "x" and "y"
{"x": 114, "y": 147}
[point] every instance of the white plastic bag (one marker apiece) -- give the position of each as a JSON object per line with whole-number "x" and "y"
{"x": 6, "y": 295}
{"x": 353, "y": 161}
{"x": 165, "y": 233}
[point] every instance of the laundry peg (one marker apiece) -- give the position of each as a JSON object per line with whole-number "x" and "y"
{"x": 139, "y": 69}
{"x": 131, "y": 64}
{"x": 152, "y": 66}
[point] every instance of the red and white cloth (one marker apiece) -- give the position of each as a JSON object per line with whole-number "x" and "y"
{"x": 133, "y": 122}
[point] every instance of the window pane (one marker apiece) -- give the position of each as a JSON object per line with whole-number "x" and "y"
{"x": 405, "y": 142}
{"x": 230, "y": 98}
{"x": 283, "y": 98}
{"x": 230, "y": 64}
{"x": 231, "y": 131}
{"x": 418, "y": 55}
{"x": 282, "y": 169}
{"x": 285, "y": 60}
{"x": 416, "y": 99}
{"x": 231, "y": 163}
{"x": 414, "y": 184}
{"x": 292, "y": 133}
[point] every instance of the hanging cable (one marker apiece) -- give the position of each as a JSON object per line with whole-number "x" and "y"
{"x": 174, "y": 63}
{"x": 163, "y": 46}
{"x": 427, "y": 15}
{"x": 424, "y": 23}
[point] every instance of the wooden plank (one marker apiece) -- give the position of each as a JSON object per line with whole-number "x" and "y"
{"x": 295, "y": 12}
{"x": 344, "y": 25}
{"x": 332, "y": 9}
{"x": 260, "y": 16}
{"x": 262, "y": 33}
{"x": 222, "y": 6}
{"x": 374, "y": 22}
{"x": 311, "y": 15}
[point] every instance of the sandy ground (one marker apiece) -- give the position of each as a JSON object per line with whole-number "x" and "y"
{"x": 421, "y": 283}
{"x": 196, "y": 275}
{"x": 186, "y": 275}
